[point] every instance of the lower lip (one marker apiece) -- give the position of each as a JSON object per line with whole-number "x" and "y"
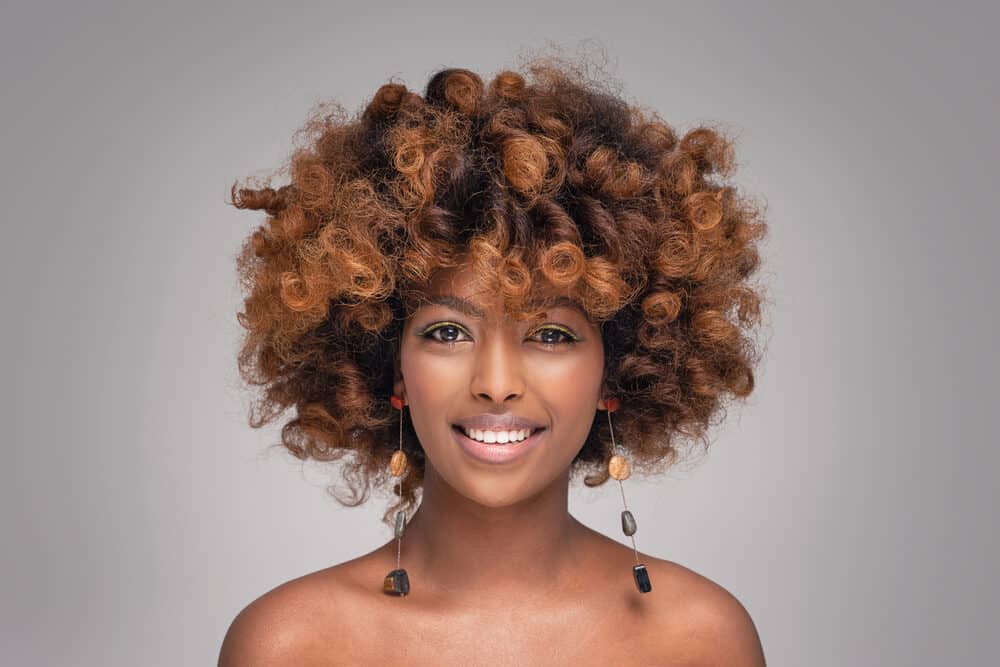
{"x": 497, "y": 452}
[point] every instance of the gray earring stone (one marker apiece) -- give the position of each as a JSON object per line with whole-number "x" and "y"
{"x": 629, "y": 525}
{"x": 400, "y": 527}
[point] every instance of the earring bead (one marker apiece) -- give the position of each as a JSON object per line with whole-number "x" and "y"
{"x": 618, "y": 467}
{"x": 396, "y": 583}
{"x": 629, "y": 526}
{"x": 398, "y": 464}
{"x": 642, "y": 578}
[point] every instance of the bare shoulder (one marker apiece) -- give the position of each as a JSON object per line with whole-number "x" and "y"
{"x": 301, "y": 622}
{"x": 701, "y": 623}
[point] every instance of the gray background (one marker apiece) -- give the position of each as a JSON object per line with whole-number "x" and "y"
{"x": 849, "y": 505}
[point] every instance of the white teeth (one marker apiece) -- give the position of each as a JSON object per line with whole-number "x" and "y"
{"x": 500, "y": 437}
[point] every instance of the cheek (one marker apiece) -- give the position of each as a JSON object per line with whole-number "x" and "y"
{"x": 570, "y": 393}
{"x": 560, "y": 376}
{"x": 429, "y": 377}
{"x": 432, "y": 383}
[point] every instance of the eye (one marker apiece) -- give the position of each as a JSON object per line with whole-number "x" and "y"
{"x": 444, "y": 326}
{"x": 568, "y": 337}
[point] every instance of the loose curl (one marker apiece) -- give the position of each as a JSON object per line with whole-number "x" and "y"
{"x": 545, "y": 180}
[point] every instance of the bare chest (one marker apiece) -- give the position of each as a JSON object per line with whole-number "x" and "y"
{"x": 514, "y": 636}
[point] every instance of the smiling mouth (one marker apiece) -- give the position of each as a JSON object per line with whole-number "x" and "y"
{"x": 531, "y": 433}
{"x": 498, "y": 453}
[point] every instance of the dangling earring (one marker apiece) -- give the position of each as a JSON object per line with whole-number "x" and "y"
{"x": 397, "y": 582}
{"x": 618, "y": 468}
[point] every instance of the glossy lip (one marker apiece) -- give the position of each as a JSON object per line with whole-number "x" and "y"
{"x": 497, "y": 453}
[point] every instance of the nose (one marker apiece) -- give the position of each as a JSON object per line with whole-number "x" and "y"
{"x": 497, "y": 370}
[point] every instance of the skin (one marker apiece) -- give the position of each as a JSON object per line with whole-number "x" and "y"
{"x": 501, "y": 573}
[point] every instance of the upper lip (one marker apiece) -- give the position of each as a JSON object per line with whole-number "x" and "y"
{"x": 489, "y": 421}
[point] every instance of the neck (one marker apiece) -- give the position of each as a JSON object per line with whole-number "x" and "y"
{"x": 455, "y": 545}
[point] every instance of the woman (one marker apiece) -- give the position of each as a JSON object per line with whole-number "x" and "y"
{"x": 470, "y": 296}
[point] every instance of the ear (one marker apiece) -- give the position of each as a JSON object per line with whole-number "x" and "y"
{"x": 398, "y": 385}
{"x": 605, "y": 398}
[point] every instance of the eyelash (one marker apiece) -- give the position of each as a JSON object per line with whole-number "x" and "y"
{"x": 426, "y": 333}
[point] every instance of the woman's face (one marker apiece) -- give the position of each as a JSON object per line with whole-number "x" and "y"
{"x": 461, "y": 360}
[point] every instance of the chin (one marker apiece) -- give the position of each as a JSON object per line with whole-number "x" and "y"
{"x": 499, "y": 502}
{"x": 497, "y": 492}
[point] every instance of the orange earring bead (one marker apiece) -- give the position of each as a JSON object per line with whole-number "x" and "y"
{"x": 398, "y": 464}
{"x": 618, "y": 467}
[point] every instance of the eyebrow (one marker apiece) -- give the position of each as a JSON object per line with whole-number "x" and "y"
{"x": 466, "y": 307}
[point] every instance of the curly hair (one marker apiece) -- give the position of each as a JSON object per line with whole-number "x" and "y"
{"x": 543, "y": 178}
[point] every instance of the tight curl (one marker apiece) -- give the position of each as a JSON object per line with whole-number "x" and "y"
{"x": 539, "y": 179}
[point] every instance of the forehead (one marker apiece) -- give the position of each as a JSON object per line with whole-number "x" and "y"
{"x": 474, "y": 308}
{"x": 453, "y": 289}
